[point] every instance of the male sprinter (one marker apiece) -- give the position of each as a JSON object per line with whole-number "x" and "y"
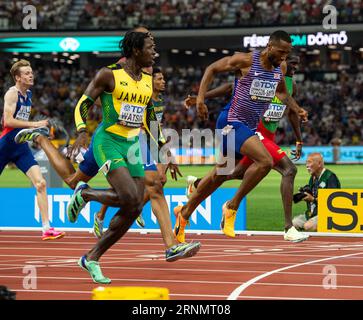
{"x": 17, "y": 108}
{"x": 262, "y": 77}
{"x": 266, "y": 131}
{"x": 125, "y": 92}
{"x": 154, "y": 170}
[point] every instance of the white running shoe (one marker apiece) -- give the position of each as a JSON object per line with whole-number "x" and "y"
{"x": 295, "y": 236}
{"x": 190, "y": 185}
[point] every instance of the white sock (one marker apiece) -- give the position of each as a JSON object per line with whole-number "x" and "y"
{"x": 46, "y": 226}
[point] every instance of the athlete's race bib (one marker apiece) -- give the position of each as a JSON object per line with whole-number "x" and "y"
{"x": 262, "y": 90}
{"x": 23, "y": 113}
{"x": 159, "y": 113}
{"x": 131, "y": 115}
{"x": 274, "y": 112}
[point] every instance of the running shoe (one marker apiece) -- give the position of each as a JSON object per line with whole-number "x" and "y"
{"x": 97, "y": 226}
{"x": 228, "y": 220}
{"x": 77, "y": 203}
{"x": 295, "y": 236}
{"x": 182, "y": 251}
{"x": 140, "y": 221}
{"x": 190, "y": 185}
{"x": 180, "y": 224}
{"x": 94, "y": 269}
{"x": 52, "y": 234}
{"x": 29, "y": 134}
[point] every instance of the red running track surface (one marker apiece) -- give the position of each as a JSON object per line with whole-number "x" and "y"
{"x": 246, "y": 267}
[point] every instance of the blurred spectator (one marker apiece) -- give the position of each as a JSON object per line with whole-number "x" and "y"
{"x": 50, "y": 14}
{"x": 335, "y": 108}
{"x": 125, "y": 14}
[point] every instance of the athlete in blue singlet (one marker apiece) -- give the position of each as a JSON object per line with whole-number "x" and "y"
{"x": 17, "y": 108}
{"x": 262, "y": 77}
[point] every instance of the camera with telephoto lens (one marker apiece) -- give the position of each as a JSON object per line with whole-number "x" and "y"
{"x": 301, "y": 195}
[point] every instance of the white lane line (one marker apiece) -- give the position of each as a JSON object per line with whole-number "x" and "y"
{"x": 201, "y": 282}
{"x": 219, "y": 239}
{"x": 235, "y": 293}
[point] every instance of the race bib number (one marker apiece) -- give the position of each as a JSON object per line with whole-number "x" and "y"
{"x": 131, "y": 115}
{"x": 262, "y": 90}
{"x": 23, "y": 113}
{"x": 159, "y": 117}
{"x": 274, "y": 112}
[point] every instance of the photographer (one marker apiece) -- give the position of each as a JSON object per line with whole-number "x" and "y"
{"x": 321, "y": 178}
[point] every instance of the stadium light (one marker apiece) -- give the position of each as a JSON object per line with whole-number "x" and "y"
{"x": 202, "y": 54}
{"x": 212, "y": 50}
{"x": 225, "y": 51}
{"x": 188, "y": 52}
{"x": 174, "y": 51}
{"x": 348, "y": 48}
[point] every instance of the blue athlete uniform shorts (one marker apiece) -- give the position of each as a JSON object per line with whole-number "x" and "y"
{"x": 19, "y": 154}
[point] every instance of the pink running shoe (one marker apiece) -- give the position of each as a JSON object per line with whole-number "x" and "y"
{"x": 51, "y": 234}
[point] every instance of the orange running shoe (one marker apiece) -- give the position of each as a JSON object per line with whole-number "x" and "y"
{"x": 228, "y": 220}
{"x": 180, "y": 224}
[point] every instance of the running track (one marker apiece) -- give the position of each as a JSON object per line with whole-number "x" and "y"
{"x": 247, "y": 267}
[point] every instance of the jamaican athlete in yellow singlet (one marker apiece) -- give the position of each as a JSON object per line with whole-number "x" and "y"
{"x": 116, "y": 143}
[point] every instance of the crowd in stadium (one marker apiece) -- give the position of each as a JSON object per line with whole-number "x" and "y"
{"x": 336, "y": 108}
{"x": 115, "y": 14}
{"x": 212, "y": 13}
{"x": 50, "y": 14}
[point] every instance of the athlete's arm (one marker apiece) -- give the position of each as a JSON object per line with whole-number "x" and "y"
{"x": 294, "y": 120}
{"x": 221, "y": 91}
{"x": 10, "y": 100}
{"x": 232, "y": 63}
{"x": 160, "y": 141}
{"x": 103, "y": 81}
{"x": 149, "y": 120}
{"x": 283, "y": 95}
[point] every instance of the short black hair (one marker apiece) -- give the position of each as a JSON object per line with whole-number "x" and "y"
{"x": 156, "y": 70}
{"x": 132, "y": 40}
{"x": 280, "y": 35}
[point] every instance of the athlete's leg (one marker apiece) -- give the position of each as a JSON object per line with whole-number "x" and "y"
{"x": 154, "y": 188}
{"x": 129, "y": 192}
{"x": 98, "y": 221}
{"x": 40, "y": 185}
{"x": 288, "y": 171}
{"x": 76, "y": 177}
{"x": 60, "y": 163}
{"x": 211, "y": 182}
{"x": 255, "y": 150}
